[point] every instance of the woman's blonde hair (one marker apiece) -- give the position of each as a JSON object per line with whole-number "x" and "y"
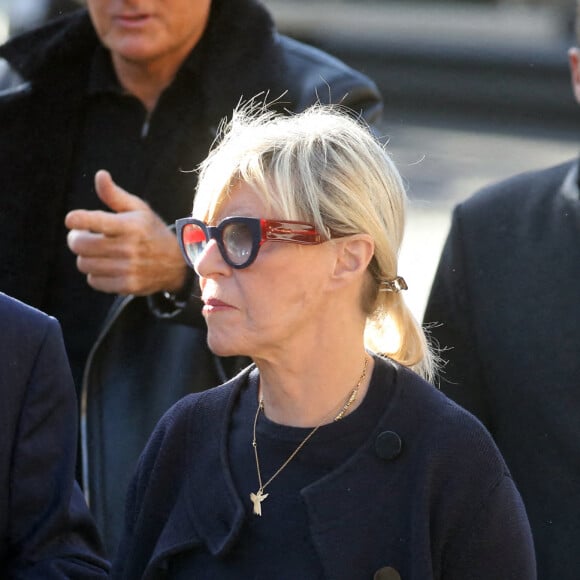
{"x": 324, "y": 167}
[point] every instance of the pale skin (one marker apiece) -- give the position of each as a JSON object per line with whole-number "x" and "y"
{"x": 296, "y": 311}
{"x": 130, "y": 250}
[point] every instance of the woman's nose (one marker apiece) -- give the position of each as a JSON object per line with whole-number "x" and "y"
{"x": 210, "y": 262}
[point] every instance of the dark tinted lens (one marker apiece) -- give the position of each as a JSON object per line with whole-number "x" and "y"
{"x": 237, "y": 238}
{"x": 194, "y": 241}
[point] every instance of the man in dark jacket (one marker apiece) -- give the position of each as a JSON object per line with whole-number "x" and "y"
{"x": 139, "y": 91}
{"x": 505, "y": 304}
{"x": 46, "y": 530}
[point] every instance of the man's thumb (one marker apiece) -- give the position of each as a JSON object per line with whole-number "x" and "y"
{"x": 115, "y": 197}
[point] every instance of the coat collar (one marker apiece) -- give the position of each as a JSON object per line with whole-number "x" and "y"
{"x": 216, "y": 516}
{"x": 218, "y": 512}
{"x": 36, "y": 54}
{"x": 570, "y": 187}
{"x": 233, "y": 68}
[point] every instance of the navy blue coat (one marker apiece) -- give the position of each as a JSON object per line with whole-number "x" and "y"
{"x": 445, "y": 507}
{"x": 46, "y": 531}
{"x": 507, "y": 299}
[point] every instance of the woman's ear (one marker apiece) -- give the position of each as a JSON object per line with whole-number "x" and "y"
{"x": 353, "y": 256}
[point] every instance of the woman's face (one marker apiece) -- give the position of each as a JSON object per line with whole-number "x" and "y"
{"x": 150, "y": 31}
{"x": 273, "y": 303}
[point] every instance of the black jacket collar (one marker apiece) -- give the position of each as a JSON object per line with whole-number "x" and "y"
{"x": 35, "y": 54}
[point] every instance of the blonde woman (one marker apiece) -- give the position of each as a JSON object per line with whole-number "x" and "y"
{"x": 330, "y": 456}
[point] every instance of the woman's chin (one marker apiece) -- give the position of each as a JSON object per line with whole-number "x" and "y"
{"x": 224, "y": 348}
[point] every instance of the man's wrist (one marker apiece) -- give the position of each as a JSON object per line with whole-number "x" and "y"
{"x": 167, "y": 303}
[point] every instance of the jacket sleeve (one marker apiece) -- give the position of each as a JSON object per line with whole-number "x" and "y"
{"x": 52, "y": 534}
{"x": 449, "y": 322}
{"x": 497, "y": 543}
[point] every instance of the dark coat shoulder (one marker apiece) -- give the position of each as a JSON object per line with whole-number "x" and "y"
{"x": 46, "y": 530}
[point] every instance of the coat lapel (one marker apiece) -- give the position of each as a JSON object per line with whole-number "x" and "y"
{"x": 213, "y": 517}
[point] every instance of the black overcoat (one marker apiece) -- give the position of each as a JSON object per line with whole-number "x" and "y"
{"x": 505, "y": 301}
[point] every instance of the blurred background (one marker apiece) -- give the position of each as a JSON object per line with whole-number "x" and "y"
{"x": 475, "y": 91}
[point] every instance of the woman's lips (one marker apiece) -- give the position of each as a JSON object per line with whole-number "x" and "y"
{"x": 214, "y": 305}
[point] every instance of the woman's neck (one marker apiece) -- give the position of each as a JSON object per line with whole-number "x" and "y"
{"x": 312, "y": 390}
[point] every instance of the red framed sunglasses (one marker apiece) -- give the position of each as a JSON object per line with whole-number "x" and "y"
{"x": 239, "y": 238}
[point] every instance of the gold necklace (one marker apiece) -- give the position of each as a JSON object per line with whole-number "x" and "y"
{"x": 258, "y": 497}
